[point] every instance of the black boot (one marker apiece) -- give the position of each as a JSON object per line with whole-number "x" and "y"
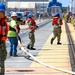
{"x": 32, "y": 48}
{"x": 52, "y": 41}
{"x": 58, "y": 43}
{"x": 10, "y": 54}
{"x": 28, "y": 46}
{"x": 15, "y": 55}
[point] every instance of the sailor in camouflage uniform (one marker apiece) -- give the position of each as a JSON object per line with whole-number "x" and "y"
{"x": 3, "y": 37}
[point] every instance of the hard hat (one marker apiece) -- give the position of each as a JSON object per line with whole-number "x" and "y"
{"x": 57, "y": 14}
{"x": 13, "y": 14}
{"x": 2, "y": 7}
{"x": 30, "y": 15}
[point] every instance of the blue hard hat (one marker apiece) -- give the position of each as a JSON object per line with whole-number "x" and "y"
{"x": 2, "y": 7}
{"x": 57, "y": 14}
{"x": 29, "y": 15}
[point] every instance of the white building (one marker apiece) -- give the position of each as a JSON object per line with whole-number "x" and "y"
{"x": 28, "y": 5}
{"x": 72, "y": 6}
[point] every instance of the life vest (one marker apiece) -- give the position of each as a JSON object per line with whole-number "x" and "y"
{"x": 55, "y": 21}
{"x": 67, "y": 16}
{"x": 33, "y": 24}
{"x": 13, "y": 29}
{"x": 4, "y": 27}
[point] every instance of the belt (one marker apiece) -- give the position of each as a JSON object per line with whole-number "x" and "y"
{"x": 57, "y": 26}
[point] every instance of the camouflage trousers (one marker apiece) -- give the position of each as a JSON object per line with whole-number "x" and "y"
{"x": 57, "y": 33}
{"x": 3, "y": 54}
{"x": 32, "y": 38}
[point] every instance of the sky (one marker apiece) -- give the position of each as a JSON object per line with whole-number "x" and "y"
{"x": 65, "y": 3}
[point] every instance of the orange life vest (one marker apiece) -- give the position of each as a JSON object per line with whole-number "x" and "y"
{"x": 3, "y": 29}
{"x": 33, "y": 24}
{"x": 55, "y": 21}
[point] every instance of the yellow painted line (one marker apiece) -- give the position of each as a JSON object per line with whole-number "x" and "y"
{"x": 60, "y": 57}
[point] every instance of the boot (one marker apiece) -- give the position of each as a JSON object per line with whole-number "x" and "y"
{"x": 58, "y": 43}
{"x": 10, "y": 54}
{"x": 32, "y": 48}
{"x": 52, "y": 41}
{"x": 15, "y": 55}
{"x": 28, "y": 47}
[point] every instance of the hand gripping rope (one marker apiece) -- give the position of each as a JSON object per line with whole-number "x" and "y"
{"x": 36, "y": 60}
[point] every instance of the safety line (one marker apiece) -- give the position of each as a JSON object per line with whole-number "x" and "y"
{"x": 44, "y": 64}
